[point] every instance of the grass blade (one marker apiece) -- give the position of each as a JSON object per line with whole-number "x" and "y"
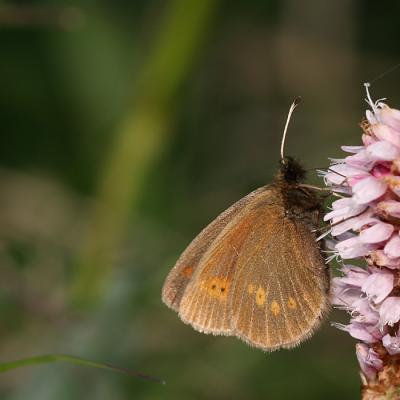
{"x": 49, "y": 358}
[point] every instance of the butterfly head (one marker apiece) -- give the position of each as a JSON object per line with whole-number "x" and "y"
{"x": 291, "y": 171}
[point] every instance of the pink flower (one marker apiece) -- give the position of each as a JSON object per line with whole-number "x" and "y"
{"x": 361, "y": 311}
{"x": 378, "y": 285}
{"x": 366, "y": 332}
{"x": 353, "y": 223}
{"x": 390, "y": 117}
{"x": 368, "y": 189}
{"x": 392, "y": 247}
{"x": 369, "y": 360}
{"x": 353, "y": 248}
{"x": 383, "y": 151}
{"x": 376, "y": 233}
{"x": 390, "y": 311}
{"x": 344, "y": 295}
{"x": 343, "y": 209}
{"x": 352, "y": 149}
{"x": 392, "y": 344}
{"x": 384, "y": 132}
{"x": 354, "y": 276}
{"x": 366, "y": 224}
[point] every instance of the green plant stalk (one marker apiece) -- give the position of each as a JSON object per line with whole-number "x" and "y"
{"x": 141, "y": 136}
{"x": 49, "y": 358}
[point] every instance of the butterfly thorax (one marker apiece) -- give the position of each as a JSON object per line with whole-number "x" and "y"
{"x": 299, "y": 201}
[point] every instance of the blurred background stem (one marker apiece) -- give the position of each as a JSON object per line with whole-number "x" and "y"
{"x": 139, "y": 140}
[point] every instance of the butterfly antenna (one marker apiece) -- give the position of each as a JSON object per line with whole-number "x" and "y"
{"x": 384, "y": 73}
{"x": 295, "y": 103}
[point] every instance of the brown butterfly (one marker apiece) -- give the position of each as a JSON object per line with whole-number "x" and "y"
{"x": 256, "y": 272}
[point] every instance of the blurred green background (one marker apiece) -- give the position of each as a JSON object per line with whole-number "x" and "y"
{"x": 125, "y": 128}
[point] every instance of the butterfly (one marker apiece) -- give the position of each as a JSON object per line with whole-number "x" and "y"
{"x": 257, "y": 272}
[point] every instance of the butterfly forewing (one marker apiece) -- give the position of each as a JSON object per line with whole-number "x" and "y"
{"x": 187, "y": 264}
{"x": 206, "y": 303}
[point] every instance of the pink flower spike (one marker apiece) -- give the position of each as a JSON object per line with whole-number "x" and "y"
{"x": 392, "y": 344}
{"x": 369, "y": 360}
{"x": 392, "y": 248}
{"x": 390, "y": 311}
{"x": 376, "y": 233}
{"x": 368, "y": 189}
{"x": 391, "y": 117}
{"x": 365, "y": 226}
{"x": 378, "y": 286}
{"x": 383, "y": 151}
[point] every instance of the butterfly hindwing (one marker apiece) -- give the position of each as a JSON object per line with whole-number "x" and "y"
{"x": 280, "y": 301}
